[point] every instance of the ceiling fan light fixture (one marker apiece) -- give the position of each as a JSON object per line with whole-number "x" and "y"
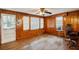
{"x": 42, "y": 13}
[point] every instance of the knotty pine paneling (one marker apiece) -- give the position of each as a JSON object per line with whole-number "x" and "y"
{"x": 0, "y": 29}
{"x": 20, "y": 33}
{"x": 51, "y": 26}
{"x": 73, "y": 18}
{"x": 68, "y": 18}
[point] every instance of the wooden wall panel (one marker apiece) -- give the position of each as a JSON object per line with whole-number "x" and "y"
{"x": 69, "y": 18}
{"x": 73, "y": 19}
{"x": 77, "y": 21}
{"x": 51, "y": 27}
{"x": 52, "y": 30}
{"x": 19, "y": 28}
{"x": 0, "y": 29}
{"x": 20, "y": 33}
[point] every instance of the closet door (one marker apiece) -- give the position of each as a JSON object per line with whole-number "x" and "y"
{"x": 8, "y": 28}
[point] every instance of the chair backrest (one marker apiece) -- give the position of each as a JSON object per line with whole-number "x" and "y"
{"x": 69, "y": 28}
{"x": 78, "y": 33}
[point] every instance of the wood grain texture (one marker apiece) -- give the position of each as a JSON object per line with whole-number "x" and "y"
{"x": 68, "y": 18}
{"x": 20, "y": 33}
{"x": 0, "y": 28}
{"x": 51, "y": 21}
{"x": 42, "y": 42}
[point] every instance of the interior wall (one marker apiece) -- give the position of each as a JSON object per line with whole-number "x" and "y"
{"x": 20, "y": 33}
{"x": 49, "y": 24}
{"x": 73, "y": 18}
{"x": 0, "y": 29}
{"x": 69, "y": 18}
{"x": 50, "y": 27}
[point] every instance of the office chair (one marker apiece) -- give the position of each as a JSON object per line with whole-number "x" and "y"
{"x": 73, "y": 40}
{"x": 71, "y": 36}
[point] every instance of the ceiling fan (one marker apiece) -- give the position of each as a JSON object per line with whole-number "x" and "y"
{"x": 43, "y": 11}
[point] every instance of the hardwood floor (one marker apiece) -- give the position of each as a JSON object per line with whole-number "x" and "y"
{"x": 43, "y": 42}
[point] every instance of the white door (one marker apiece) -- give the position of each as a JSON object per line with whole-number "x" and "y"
{"x": 8, "y": 28}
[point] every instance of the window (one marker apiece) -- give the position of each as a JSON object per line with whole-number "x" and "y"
{"x": 59, "y": 23}
{"x": 34, "y": 23}
{"x": 41, "y": 23}
{"x": 8, "y": 21}
{"x": 26, "y": 22}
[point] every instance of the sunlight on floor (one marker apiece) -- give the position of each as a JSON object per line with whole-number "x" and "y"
{"x": 46, "y": 42}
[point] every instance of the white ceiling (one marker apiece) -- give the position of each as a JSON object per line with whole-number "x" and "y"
{"x": 35, "y": 10}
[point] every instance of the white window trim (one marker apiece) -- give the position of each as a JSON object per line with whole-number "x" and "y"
{"x": 35, "y": 23}
{"x": 25, "y": 27}
{"x": 60, "y": 23}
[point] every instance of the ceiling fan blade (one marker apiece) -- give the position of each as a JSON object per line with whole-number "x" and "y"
{"x": 48, "y": 12}
{"x": 40, "y": 11}
{"x": 37, "y": 12}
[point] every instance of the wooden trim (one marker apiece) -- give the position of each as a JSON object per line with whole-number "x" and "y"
{"x": 16, "y": 12}
{"x": 0, "y": 28}
{"x": 39, "y": 23}
{"x": 63, "y": 13}
{"x": 69, "y": 18}
{"x": 29, "y": 23}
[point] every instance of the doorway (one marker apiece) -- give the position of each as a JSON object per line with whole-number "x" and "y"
{"x": 8, "y": 28}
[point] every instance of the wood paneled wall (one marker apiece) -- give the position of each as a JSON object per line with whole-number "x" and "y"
{"x": 20, "y": 33}
{"x": 0, "y": 29}
{"x": 68, "y": 18}
{"x": 49, "y": 24}
{"x": 73, "y": 18}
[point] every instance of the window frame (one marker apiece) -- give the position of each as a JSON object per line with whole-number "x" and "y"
{"x": 38, "y": 24}
{"x": 61, "y": 23}
{"x": 41, "y": 23}
{"x": 26, "y": 22}
{"x": 8, "y": 15}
